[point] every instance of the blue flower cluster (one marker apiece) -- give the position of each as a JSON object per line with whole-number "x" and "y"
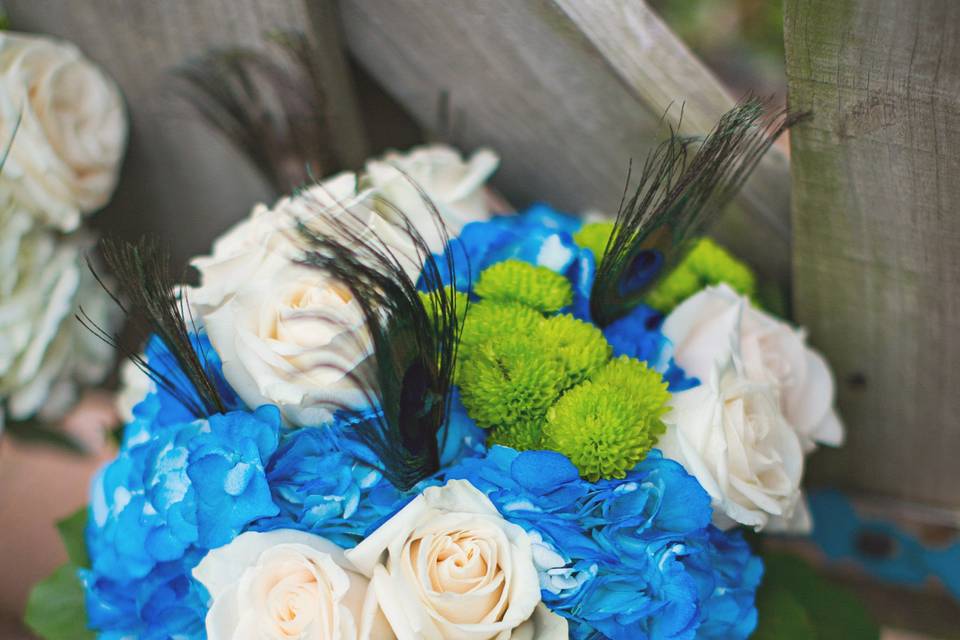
{"x": 157, "y": 508}
{"x": 544, "y": 237}
{"x": 181, "y": 486}
{"x": 178, "y": 487}
{"x": 630, "y": 559}
{"x": 326, "y": 482}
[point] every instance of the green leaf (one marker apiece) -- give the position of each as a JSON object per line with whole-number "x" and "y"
{"x": 71, "y": 531}
{"x": 795, "y": 603}
{"x": 33, "y": 432}
{"x": 55, "y": 610}
{"x": 782, "y": 617}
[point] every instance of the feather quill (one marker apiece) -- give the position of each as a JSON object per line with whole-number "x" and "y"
{"x": 9, "y": 145}
{"x": 680, "y": 191}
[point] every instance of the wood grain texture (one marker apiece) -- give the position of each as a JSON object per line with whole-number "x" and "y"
{"x": 567, "y": 92}
{"x": 181, "y": 180}
{"x": 876, "y": 226}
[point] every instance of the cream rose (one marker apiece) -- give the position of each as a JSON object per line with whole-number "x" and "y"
{"x": 732, "y": 437}
{"x": 706, "y": 328}
{"x": 72, "y": 128}
{"x": 287, "y": 584}
{"x": 455, "y": 186}
{"x": 44, "y": 352}
{"x": 297, "y": 340}
{"x": 290, "y": 335}
{"x": 267, "y": 239}
{"x": 448, "y": 566}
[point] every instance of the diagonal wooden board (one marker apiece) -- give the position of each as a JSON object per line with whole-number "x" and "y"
{"x": 568, "y": 92}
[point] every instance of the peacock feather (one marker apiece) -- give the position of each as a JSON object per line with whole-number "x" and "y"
{"x": 414, "y": 338}
{"x": 683, "y": 185}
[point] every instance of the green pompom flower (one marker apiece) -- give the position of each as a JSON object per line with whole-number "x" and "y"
{"x": 577, "y": 348}
{"x": 526, "y": 284}
{"x": 608, "y": 424}
{"x": 431, "y": 302}
{"x": 706, "y": 264}
{"x": 522, "y": 436}
{"x": 594, "y": 236}
{"x": 508, "y": 381}
{"x": 493, "y": 321}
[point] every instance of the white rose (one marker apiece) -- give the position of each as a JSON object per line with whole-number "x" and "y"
{"x": 448, "y": 566}
{"x": 44, "y": 351}
{"x": 707, "y": 327}
{"x": 267, "y": 238}
{"x": 287, "y": 334}
{"x": 731, "y": 436}
{"x": 286, "y": 584}
{"x": 297, "y": 340}
{"x": 72, "y": 128}
{"x": 455, "y": 186}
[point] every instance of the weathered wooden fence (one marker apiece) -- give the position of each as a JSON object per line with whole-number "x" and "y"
{"x": 568, "y": 92}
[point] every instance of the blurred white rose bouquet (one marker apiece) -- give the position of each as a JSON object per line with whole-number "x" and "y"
{"x": 65, "y": 127}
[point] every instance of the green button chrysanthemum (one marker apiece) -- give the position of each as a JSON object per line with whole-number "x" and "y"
{"x": 643, "y": 387}
{"x": 526, "y": 284}
{"x": 608, "y": 424}
{"x": 492, "y": 321}
{"x": 594, "y": 236}
{"x": 578, "y": 348}
{"x": 706, "y": 264}
{"x": 508, "y": 382}
{"x": 522, "y": 436}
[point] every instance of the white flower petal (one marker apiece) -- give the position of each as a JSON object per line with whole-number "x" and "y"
{"x": 765, "y": 401}
{"x": 287, "y": 583}
{"x": 449, "y": 566}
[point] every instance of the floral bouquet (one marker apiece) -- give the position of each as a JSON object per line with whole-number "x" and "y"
{"x": 63, "y": 131}
{"x": 358, "y": 426}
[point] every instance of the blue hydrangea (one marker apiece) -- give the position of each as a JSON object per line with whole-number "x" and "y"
{"x": 630, "y": 558}
{"x": 544, "y": 237}
{"x": 638, "y": 335}
{"x": 326, "y": 480}
{"x": 167, "y": 498}
{"x": 728, "y": 577}
{"x": 161, "y": 407}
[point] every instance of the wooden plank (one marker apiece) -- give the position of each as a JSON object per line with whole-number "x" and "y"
{"x": 343, "y": 109}
{"x": 567, "y": 92}
{"x": 877, "y": 232}
{"x": 179, "y": 175}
